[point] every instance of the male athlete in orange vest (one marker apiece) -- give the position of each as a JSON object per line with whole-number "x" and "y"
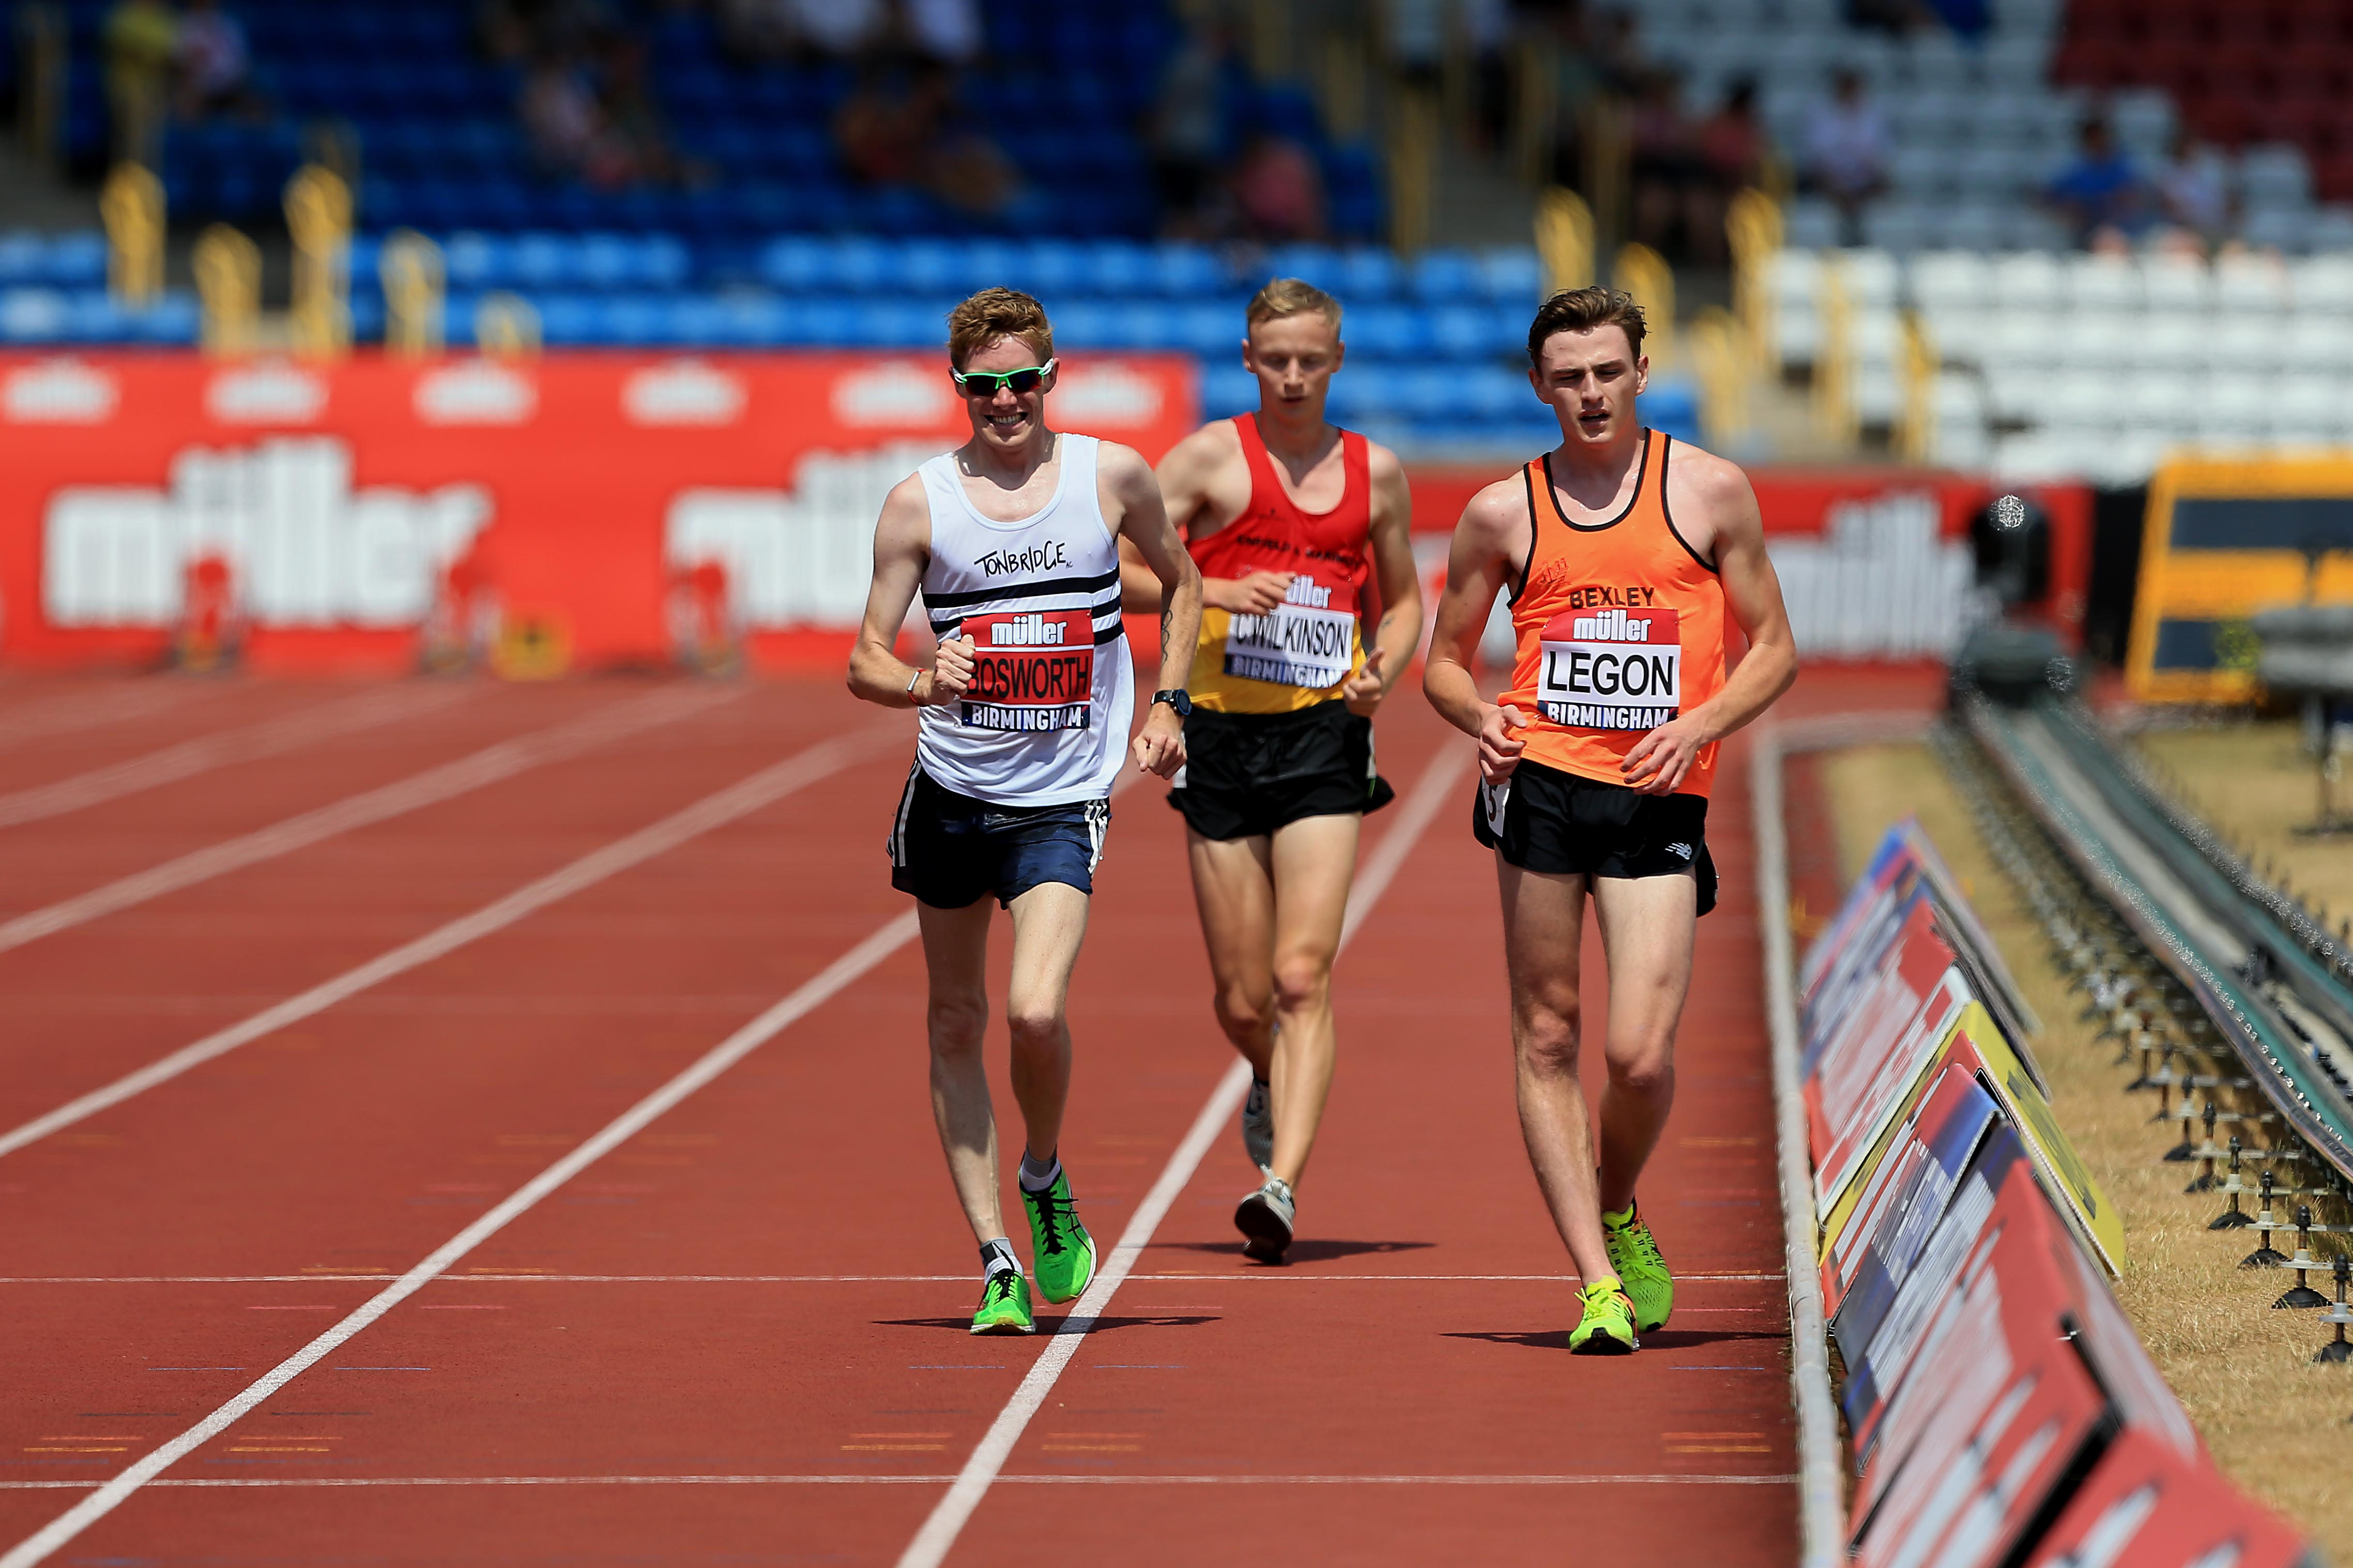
{"x": 1621, "y": 551}
{"x": 1287, "y": 516}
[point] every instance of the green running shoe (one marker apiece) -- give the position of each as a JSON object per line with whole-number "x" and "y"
{"x": 1003, "y": 1305}
{"x": 1607, "y": 1327}
{"x": 1062, "y": 1251}
{"x": 1634, "y": 1253}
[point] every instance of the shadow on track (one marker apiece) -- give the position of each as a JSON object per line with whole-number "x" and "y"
{"x": 1310, "y": 1249}
{"x": 1654, "y": 1340}
{"x": 1051, "y": 1325}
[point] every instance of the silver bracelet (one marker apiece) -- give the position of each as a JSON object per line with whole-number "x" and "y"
{"x": 910, "y": 684}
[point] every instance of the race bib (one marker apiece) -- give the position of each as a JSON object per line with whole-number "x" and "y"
{"x": 1304, "y": 642}
{"x": 1610, "y": 669}
{"x": 1031, "y": 671}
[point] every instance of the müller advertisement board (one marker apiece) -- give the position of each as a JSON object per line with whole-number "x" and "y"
{"x": 348, "y": 502}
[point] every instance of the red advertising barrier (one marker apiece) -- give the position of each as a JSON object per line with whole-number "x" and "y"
{"x": 1875, "y": 563}
{"x": 610, "y": 508}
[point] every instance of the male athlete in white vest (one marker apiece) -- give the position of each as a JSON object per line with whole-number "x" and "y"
{"x": 1013, "y": 541}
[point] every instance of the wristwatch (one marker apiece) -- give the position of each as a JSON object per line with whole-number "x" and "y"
{"x": 1178, "y": 699}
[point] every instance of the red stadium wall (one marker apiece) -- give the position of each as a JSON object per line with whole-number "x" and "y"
{"x": 593, "y": 511}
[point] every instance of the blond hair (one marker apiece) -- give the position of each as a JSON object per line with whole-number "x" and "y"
{"x": 1291, "y": 297}
{"x": 995, "y": 314}
{"x": 1581, "y": 310}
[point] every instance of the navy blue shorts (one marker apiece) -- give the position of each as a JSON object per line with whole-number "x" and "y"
{"x": 951, "y": 850}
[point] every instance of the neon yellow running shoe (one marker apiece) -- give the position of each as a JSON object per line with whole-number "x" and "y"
{"x": 1062, "y": 1250}
{"x": 1607, "y": 1327}
{"x": 1634, "y": 1253}
{"x": 1003, "y": 1305}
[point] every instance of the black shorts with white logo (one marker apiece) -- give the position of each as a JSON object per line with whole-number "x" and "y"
{"x": 951, "y": 850}
{"x": 1542, "y": 819}
{"x": 1247, "y": 774}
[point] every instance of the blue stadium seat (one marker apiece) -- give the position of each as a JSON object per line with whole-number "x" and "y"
{"x": 1316, "y": 264}
{"x": 1181, "y": 270}
{"x": 1119, "y": 268}
{"x": 1463, "y": 332}
{"x": 1091, "y": 324}
{"x": 542, "y": 261}
{"x": 1367, "y": 275}
{"x": 928, "y": 265}
{"x": 474, "y": 261}
{"x": 1513, "y": 276}
{"x": 1386, "y": 331}
{"x": 1440, "y": 275}
{"x": 798, "y": 262}
{"x": 1227, "y": 389}
{"x": 1055, "y": 268}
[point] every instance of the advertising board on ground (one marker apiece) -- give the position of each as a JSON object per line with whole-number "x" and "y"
{"x": 2000, "y": 1406}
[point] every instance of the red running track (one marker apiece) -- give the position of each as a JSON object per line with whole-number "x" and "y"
{"x": 738, "y": 1335}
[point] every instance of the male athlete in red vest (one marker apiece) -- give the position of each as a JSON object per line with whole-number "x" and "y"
{"x": 1288, "y": 518}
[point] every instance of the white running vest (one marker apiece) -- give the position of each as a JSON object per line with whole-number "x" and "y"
{"x": 1045, "y": 720}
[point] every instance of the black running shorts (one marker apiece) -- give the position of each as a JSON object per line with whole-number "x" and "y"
{"x": 1542, "y": 819}
{"x": 1247, "y": 774}
{"x": 951, "y": 850}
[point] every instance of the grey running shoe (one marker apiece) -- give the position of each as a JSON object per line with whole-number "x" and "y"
{"x": 1257, "y": 1125}
{"x": 1264, "y": 1219}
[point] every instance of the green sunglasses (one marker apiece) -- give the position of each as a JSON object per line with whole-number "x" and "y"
{"x": 989, "y": 382}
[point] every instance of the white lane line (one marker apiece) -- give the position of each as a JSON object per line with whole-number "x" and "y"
{"x": 769, "y": 785}
{"x": 947, "y": 1518}
{"x": 1290, "y": 1278}
{"x": 855, "y": 1480}
{"x": 888, "y": 939}
{"x": 269, "y": 738}
{"x": 70, "y": 711}
{"x": 434, "y": 785}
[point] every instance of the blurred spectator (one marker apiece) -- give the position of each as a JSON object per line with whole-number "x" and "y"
{"x": 909, "y": 129}
{"x": 1277, "y": 191}
{"x": 1731, "y": 150}
{"x": 1846, "y": 152}
{"x": 843, "y": 29}
{"x": 2099, "y": 191}
{"x": 633, "y": 125}
{"x": 142, "y": 37}
{"x": 944, "y": 30}
{"x": 567, "y": 127}
{"x": 757, "y": 29}
{"x": 2193, "y": 190}
{"x": 1415, "y": 34}
{"x": 216, "y": 68}
{"x": 1666, "y": 167}
{"x": 1187, "y": 131}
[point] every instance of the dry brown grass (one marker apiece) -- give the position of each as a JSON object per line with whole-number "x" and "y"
{"x": 2253, "y": 781}
{"x": 2275, "y": 1422}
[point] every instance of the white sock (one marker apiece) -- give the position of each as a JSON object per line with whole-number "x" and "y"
{"x": 997, "y": 1257}
{"x": 1036, "y": 1178}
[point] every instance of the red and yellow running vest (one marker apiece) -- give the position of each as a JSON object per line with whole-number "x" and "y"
{"x": 1620, "y": 625}
{"x": 1296, "y": 656}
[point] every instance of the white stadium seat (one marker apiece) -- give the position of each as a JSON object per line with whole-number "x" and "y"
{"x": 2014, "y": 392}
{"x": 2172, "y": 343}
{"x": 1872, "y": 276}
{"x": 1973, "y": 224}
{"x": 2097, "y": 342}
{"x": 2023, "y": 338}
{"x": 2308, "y": 410}
{"x": 2178, "y": 283}
{"x": 2257, "y": 285}
{"x": 2103, "y": 283}
{"x": 2163, "y": 405}
{"x": 1811, "y": 224}
{"x": 2235, "y": 408}
{"x": 1899, "y": 226}
{"x": 2286, "y": 229}
{"x": 1958, "y": 332}
{"x": 2029, "y": 280}
{"x": 2322, "y": 285}
{"x": 2274, "y": 174}
{"x": 2321, "y": 345}
{"x": 1945, "y": 278}
{"x": 2083, "y": 400}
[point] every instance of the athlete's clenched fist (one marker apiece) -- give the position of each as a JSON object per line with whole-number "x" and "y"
{"x": 1363, "y": 689}
{"x": 1159, "y": 747}
{"x": 951, "y": 669}
{"x": 1499, "y": 748}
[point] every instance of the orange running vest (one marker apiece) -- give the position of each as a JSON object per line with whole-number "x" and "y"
{"x": 1296, "y": 656}
{"x": 1619, "y": 627}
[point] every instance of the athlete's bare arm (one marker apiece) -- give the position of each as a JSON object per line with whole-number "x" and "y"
{"x": 903, "y": 548}
{"x": 1205, "y": 480}
{"x": 1392, "y": 542}
{"x": 1712, "y": 500}
{"x": 1130, "y": 495}
{"x": 1490, "y": 544}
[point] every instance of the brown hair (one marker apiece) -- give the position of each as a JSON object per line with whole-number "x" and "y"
{"x": 995, "y": 314}
{"x": 1291, "y": 297}
{"x": 1582, "y": 310}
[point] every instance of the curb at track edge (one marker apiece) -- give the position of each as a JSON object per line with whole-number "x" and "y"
{"x": 1821, "y": 1484}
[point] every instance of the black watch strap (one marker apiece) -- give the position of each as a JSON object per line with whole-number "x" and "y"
{"x": 1176, "y": 698}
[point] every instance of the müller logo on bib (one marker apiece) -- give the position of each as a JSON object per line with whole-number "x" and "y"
{"x": 1032, "y": 670}
{"x": 1610, "y": 669}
